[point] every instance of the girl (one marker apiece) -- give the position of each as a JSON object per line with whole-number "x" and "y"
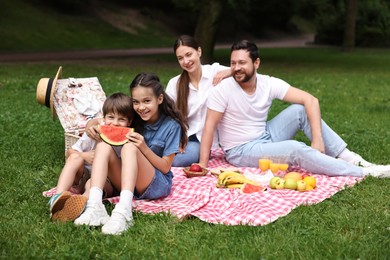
{"x": 143, "y": 166}
{"x": 190, "y": 90}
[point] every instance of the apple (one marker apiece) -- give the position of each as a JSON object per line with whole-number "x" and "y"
{"x": 290, "y": 184}
{"x": 273, "y": 181}
{"x": 196, "y": 168}
{"x": 280, "y": 184}
{"x": 301, "y": 185}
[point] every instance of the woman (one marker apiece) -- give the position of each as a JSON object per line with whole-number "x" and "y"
{"x": 190, "y": 90}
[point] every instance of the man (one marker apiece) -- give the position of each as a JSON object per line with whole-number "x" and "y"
{"x": 239, "y": 107}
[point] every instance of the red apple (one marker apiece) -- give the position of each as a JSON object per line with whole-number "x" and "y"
{"x": 196, "y": 168}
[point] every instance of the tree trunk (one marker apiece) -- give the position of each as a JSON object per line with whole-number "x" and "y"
{"x": 207, "y": 26}
{"x": 350, "y": 24}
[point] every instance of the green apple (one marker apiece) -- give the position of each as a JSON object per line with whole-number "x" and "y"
{"x": 279, "y": 184}
{"x": 273, "y": 181}
{"x": 301, "y": 185}
{"x": 290, "y": 184}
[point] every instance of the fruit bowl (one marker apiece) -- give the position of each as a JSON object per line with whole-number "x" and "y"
{"x": 191, "y": 174}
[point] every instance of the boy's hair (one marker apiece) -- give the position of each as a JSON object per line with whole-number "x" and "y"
{"x": 167, "y": 107}
{"x": 248, "y": 46}
{"x": 119, "y": 103}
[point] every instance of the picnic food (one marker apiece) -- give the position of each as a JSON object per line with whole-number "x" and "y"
{"x": 229, "y": 179}
{"x": 273, "y": 182}
{"x": 114, "y": 135}
{"x": 293, "y": 175}
{"x": 248, "y": 188}
{"x": 293, "y": 181}
{"x": 290, "y": 184}
{"x": 301, "y": 185}
{"x": 195, "y": 168}
{"x": 310, "y": 180}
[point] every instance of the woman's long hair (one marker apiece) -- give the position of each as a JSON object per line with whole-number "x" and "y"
{"x": 167, "y": 107}
{"x": 184, "y": 80}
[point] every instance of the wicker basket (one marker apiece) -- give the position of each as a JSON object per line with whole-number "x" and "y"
{"x": 191, "y": 174}
{"x": 72, "y": 137}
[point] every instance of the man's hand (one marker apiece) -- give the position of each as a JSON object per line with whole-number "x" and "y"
{"x": 318, "y": 145}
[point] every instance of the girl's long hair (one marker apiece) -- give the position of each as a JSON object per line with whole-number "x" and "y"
{"x": 183, "y": 83}
{"x": 167, "y": 107}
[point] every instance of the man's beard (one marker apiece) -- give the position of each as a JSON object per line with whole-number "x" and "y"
{"x": 247, "y": 77}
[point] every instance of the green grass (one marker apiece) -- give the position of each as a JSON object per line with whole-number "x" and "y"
{"x": 353, "y": 224}
{"x": 32, "y": 26}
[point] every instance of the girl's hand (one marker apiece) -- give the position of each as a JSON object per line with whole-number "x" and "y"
{"x": 137, "y": 139}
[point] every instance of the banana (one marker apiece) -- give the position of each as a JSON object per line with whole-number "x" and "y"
{"x": 222, "y": 176}
{"x": 237, "y": 180}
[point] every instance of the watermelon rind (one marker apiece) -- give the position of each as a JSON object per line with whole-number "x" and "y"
{"x": 114, "y": 135}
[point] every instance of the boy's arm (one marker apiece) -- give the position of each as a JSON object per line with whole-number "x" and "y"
{"x": 87, "y": 156}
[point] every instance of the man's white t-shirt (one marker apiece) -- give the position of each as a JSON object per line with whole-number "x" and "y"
{"x": 245, "y": 116}
{"x": 197, "y": 106}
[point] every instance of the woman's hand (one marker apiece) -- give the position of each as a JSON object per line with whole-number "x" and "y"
{"x": 92, "y": 130}
{"x": 223, "y": 74}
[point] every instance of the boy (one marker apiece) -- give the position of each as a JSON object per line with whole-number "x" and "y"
{"x": 117, "y": 111}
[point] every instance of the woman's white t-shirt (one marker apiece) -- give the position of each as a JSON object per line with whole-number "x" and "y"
{"x": 197, "y": 106}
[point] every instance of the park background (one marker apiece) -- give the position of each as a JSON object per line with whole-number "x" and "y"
{"x": 351, "y": 81}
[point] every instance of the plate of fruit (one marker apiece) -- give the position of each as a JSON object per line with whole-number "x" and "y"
{"x": 195, "y": 170}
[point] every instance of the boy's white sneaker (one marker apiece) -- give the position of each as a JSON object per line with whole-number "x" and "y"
{"x": 95, "y": 214}
{"x": 379, "y": 171}
{"x": 120, "y": 220}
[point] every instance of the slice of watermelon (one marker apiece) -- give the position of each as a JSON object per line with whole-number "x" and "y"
{"x": 114, "y": 135}
{"x": 248, "y": 188}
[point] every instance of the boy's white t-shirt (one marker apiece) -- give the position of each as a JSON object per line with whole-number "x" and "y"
{"x": 197, "y": 98}
{"x": 85, "y": 144}
{"x": 245, "y": 116}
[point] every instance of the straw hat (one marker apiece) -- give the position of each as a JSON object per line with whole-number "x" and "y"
{"x": 46, "y": 89}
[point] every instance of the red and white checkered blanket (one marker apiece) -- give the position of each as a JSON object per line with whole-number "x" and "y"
{"x": 199, "y": 197}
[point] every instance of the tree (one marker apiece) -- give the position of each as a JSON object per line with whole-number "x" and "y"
{"x": 207, "y": 26}
{"x": 350, "y": 25}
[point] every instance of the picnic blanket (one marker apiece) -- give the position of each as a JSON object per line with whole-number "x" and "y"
{"x": 200, "y": 197}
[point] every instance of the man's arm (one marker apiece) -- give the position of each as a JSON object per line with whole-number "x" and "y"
{"x": 313, "y": 112}
{"x": 212, "y": 119}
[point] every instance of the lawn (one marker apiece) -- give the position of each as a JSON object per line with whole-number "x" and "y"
{"x": 353, "y": 90}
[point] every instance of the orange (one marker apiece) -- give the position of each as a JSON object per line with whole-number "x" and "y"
{"x": 309, "y": 187}
{"x": 310, "y": 180}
